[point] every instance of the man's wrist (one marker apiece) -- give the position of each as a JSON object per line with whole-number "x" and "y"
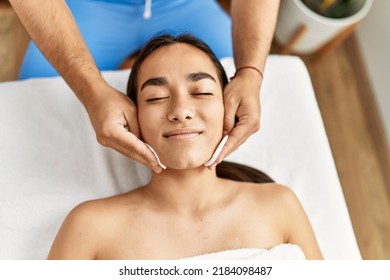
{"x": 249, "y": 67}
{"x": 88, "y": 90}
{"x": 248, "y": 74}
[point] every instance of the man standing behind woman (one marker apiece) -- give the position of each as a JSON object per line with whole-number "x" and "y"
{"x": 82, "y": 37}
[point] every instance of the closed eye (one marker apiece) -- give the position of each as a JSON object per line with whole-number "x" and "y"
{"x": 156, "y": 99}
{"x": 202, "y": 94}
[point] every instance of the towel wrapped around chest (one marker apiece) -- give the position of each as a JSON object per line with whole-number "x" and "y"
{"x": 278, "y": 252}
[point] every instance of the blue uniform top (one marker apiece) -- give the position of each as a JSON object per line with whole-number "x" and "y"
{"x": 115, "y": 29}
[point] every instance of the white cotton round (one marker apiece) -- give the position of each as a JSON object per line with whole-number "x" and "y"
{"x": 155, "y": 154}
{"x": 217, "y": 151}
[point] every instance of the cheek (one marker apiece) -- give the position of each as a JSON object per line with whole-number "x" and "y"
{"x": 148, "y": 122}
{"x": 214, "y": 113}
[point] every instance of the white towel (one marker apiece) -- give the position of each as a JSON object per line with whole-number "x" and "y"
{"x": 278, "y": 252}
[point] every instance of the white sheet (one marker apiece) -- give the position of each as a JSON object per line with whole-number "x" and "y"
{"x": 50, "y": 160}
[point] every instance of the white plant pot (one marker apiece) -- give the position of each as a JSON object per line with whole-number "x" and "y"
{"x": 319, "y": 29}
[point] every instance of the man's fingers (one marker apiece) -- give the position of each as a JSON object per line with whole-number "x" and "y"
{"x": 230, "y": 145}
{"x": 132, "y": 122}
{"x": 229, "y": 117}
{"x": 129, "y": 145}
{"x": 237, "y": 137}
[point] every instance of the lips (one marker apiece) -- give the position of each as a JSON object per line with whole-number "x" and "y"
{"x": 185, "y": 133}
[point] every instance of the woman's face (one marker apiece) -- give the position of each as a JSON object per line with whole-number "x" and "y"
{"x": 180, "y": 105}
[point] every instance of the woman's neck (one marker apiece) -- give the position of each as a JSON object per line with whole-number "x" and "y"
{"x": 188, "y": 191}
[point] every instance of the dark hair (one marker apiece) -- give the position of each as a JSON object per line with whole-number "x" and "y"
{"x": 166, "y": 40}
{"x": 243, "y": 173}
{"x": 227, "y": 170}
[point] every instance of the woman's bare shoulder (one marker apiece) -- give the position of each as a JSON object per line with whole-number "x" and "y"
{"x": 274, "y": 196}
{"x": 105, "y": 206}
{"x": 94, "y": 215}
{"x": 89, "y": 224}
{"x": 273, "y": 191}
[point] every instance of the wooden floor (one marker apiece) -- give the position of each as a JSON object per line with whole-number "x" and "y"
{"x": 358, "y": 143}
{"x": 352, "y": 123}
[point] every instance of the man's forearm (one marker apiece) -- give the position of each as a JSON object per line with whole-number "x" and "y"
{"x": 53, "y": 28}
{"x": 253, "y": 26}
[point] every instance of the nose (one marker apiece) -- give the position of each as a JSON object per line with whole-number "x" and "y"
{"x": 181, "y": 110}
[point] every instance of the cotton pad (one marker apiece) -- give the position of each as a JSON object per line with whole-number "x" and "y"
{"x": 217, "y": 151}
{"x": 155, "y": 154}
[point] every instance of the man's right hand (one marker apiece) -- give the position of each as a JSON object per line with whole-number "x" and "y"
{"x": 114, "y": 118}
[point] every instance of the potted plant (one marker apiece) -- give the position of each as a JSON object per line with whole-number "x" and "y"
{"x": 307, "y": 25}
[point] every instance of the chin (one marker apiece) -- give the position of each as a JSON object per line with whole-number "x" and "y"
{"x": 184, "y": 163}
{"x": 182, "y": 157}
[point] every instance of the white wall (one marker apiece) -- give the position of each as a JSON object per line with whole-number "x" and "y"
{"x": 374, "y": 40}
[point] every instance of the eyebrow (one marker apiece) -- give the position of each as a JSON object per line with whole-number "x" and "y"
{"x": 156, "y": 81}
{"x": 162, "y": 81}
{"x": 194, "y": 77}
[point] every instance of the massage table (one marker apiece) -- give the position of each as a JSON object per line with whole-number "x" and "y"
{"x": 50, "y": 160}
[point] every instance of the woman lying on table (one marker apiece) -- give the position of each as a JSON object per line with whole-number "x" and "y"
{"x": 188, "y": 210}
